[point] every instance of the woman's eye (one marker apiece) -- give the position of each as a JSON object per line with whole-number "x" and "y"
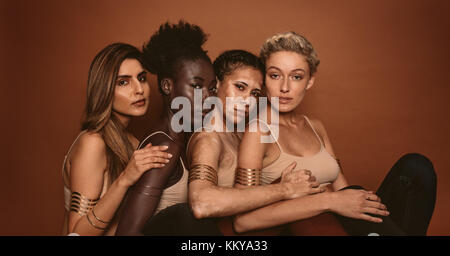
{"x": 297, "y": 77}
{"x": 240, "y": 87}
{"x": 255, "y": 94}
{"x": 197, "y": 86}
{"x": 122, "y": 82}
{"x": 274, "y": 76}
{"x": 213, "y": 89}
{"x": 142, "y": 79}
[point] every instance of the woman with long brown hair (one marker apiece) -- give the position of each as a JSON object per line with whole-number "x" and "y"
{"x": 101, "y": 163}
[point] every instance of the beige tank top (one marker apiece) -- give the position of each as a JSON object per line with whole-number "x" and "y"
{"x": 228, "y": 161}
{"x": 322, "y": 165}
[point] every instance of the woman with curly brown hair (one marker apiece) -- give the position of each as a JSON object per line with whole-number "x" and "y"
{"x": 175, "y": 54}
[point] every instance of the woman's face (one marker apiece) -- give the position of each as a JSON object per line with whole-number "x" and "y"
{"x": 193, "y": 75}
{"x": 131, "y": 94}
{"x": 240, "y": 86}
{"x": 287, "y": 77}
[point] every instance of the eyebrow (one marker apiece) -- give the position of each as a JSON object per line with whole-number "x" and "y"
{"x": 199, "y": 78}
{"x": 128, "y": 76}
{"x": 298, "y": 69}
{"x": 244, "y": 83}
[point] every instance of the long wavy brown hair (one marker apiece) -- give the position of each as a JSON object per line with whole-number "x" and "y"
{"x": 99, "y": 115}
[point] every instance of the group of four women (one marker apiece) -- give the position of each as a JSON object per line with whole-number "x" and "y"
{"x": 213, "y": 182}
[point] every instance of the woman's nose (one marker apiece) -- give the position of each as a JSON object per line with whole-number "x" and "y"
{"x": 284, "y": 86}
{"x": 139, "y": 88}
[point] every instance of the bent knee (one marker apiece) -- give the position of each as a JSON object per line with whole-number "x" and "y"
{"x": 418, "y": 165}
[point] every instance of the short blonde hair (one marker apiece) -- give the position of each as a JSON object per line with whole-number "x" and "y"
{"x": 290, "y": 41}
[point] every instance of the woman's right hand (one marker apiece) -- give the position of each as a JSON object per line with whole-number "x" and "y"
{"x": 299, "y": 182}
{"x": 357, "y": 203}
{"x": 143, "y": 160}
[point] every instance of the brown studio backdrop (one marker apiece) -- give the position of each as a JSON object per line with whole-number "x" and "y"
{"x": 381, "y": 89}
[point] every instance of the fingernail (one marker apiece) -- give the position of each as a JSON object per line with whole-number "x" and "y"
{"x": 170, "y": 155}
{"x": 167, "y": 160}
{"x": 165, "y": 147}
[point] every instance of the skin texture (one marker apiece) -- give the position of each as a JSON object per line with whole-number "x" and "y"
{"x": 139, "y": 206}
{"x": 242, "y": 82}
{"x": 209, "y": 200}
{"x": 288, "y": 77}
{"x": 87, "y": 162}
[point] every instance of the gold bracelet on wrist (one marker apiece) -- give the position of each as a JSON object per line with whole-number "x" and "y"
{"x": 97, "y": 218}
{"x": 248, "y": 177}
{"x": 203, "y": 172}
{"x": 93, "y": 225}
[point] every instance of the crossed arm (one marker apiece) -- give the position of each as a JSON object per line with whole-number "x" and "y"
{"x": 210, "y": 200}
{"x": 350, "y": 203}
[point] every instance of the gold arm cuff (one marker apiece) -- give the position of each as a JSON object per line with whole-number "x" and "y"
{"x": 81, "y": 204}
{"x": 203, "y": 172}
{"x": 248, "y": 177}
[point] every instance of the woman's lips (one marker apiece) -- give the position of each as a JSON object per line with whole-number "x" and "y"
{"x": 284, "y": 100}
{"x": 139, "y": 103}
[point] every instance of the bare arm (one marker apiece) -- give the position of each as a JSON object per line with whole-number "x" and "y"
{"x": 350, "y": 203}
{"x": 209, "y": 200}
{"x": 144, "y": 197}
{"x": 88, "y": 166}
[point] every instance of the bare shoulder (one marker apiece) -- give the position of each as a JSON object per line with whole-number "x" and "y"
{"x": 158, "y": 139}
{"x": 90, "y": 143}
{"x": 205, "y": 141}
{"x": 320, "y": 128}
{"x": 161, "y": 139}
{"x": 205, "y": 148}
{"x": 318, "y": 125}
{"x": 89, "y": 156}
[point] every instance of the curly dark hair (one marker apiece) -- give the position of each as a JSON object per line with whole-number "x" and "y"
{"x": 231, "y": 60}
{"x": 171, "y": 44}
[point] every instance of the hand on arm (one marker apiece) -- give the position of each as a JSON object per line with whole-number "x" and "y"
{"x": 144, "y": 197}
{"x": 87, "y": 171}
{"x": 297, "y": 183}
{"x": 209, "y": 200}
{"x": 351, "y": 203}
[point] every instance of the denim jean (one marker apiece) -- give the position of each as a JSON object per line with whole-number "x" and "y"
{"x": 409, "y": 193}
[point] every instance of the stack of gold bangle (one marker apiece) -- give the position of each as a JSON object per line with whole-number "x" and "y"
{"x": 81, "y": 204}
{"x": 203, "y": 172}
{"x": 248, "y": 177}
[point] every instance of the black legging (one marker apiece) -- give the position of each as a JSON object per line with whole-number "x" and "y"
{"x": 409, "y": 192}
